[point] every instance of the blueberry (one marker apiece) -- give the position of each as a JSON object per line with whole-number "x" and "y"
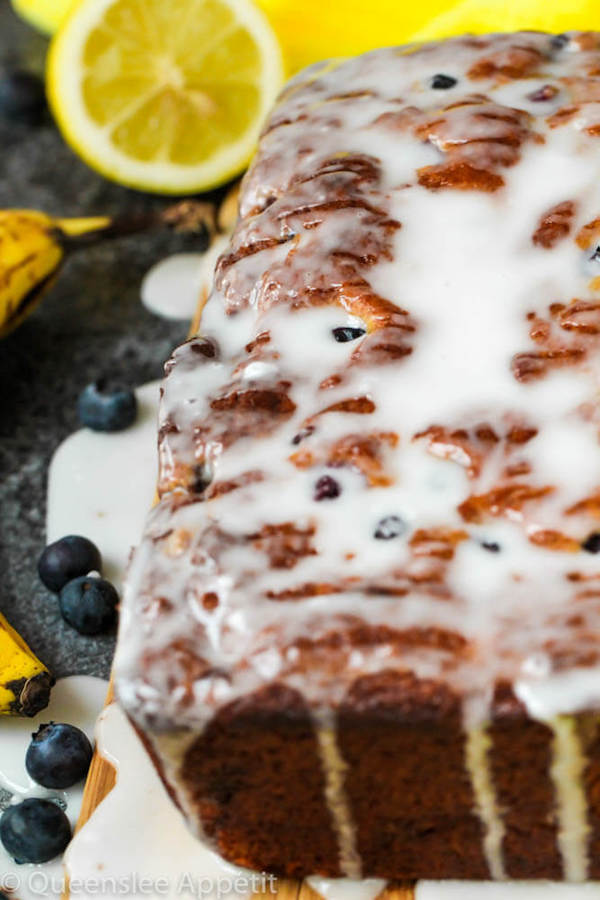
{"x": 441, "y": 82}
{"x": 543, "y": 94}
{"x": 558, "y": 41}
{"x": 327, "y": 488}
{"x": 347, "y": 333}
{"x": 595, "y": 255}
{"x": 34, "y": 831}
{"x": 202, "y": 477}
{"x": 22, "y": 97}
{"x": 592, "y": 543}
{"x": 492, "y": 546}
{"x": 66, "y": 559}
{"x": 302, "y": 434}
{"x": 389, "y": 527}
{"x": 89, "y": 605}
{"x": 102, "y": 409}
{"x": 58, "y": 756}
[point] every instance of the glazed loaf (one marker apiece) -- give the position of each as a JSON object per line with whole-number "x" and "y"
{"x": 361, "y": 633}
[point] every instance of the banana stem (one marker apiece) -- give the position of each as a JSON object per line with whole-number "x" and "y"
{"x": 34, "y": 247}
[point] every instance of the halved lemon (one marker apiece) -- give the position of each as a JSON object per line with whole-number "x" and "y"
{"x": 167, "y": 97}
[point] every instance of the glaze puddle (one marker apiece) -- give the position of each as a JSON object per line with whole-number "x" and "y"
{"x": 101, "y": 485}
{"x": 171, "y": 287}
{"x": 346, "y": 888}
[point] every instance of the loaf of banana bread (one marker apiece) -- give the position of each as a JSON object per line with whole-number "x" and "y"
{"x": 361, "y": 635}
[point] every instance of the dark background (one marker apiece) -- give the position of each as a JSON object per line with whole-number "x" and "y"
{"x": 91, "y": 323}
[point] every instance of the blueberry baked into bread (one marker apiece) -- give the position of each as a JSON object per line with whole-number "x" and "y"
{"x": 361, "y": 635}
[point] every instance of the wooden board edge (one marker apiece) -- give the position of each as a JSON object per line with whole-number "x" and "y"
{"x": 101, "y": 778}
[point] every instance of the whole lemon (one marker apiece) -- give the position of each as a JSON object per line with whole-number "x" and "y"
{"x": 309, "y": 30}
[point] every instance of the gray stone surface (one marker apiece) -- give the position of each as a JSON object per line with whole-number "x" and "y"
{"x": 91, "y": 323}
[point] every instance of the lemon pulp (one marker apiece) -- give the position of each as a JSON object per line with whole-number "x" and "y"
{"x": 164, "y": 96}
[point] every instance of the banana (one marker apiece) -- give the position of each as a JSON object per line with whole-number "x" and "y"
{"x": 25, "y": 682}
{"x": 34, "y": 246}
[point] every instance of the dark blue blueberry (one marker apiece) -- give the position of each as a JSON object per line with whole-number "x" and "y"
{"x": 89, "y": 605}
{"x": 34, "y": 831}
{"x": 389, "y": 527}
{"x": 492, "y": 546}
{"x": 596, "y": 254}
{"x": 201, "y": 478}
{"x": 58, "y": 756}
{"x": 442, "y": 82}
{"x": 592, "y": 543}
{"x": 558, "y": 41}
{"x": 303, "y": 433}
{"x": 66, "y": 559}
{"x": 543, "y": 94}
{"x": 327, "y": 488}
{"x": 22, "y": 97}
{"x": 346, "y": 333}
{"x": 103, "y": 409}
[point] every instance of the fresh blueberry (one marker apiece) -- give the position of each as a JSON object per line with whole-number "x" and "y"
{"x": 492, "y": 546}
{"x": 389, "y": 527}
{"x": 103, "y": 409}
{"x": 327, "y": 488}
{"x": 558, "y": 41}
{"x": 58, "y": 756}
{"x": 66, "y": 559}
{"x": 346, "y": 333}
{"x": 543, "y": 94}
{"x": 34, "y": 831}
{"x": 592, "y": 543}
{"x": 22, "y": 97}
{"x": 596, "y": 254}
{"x": 302, "y": 434}
{"x": 202, "y": 477}
{"x": 442, "y": 82}
{"x": 89, "y": 604}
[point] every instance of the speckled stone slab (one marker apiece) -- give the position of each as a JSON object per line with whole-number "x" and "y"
{"x": 91, "y": 323}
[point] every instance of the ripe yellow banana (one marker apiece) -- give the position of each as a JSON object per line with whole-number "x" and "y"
{"x": 25, "y": 682}
{"x": 33, "y": 247}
